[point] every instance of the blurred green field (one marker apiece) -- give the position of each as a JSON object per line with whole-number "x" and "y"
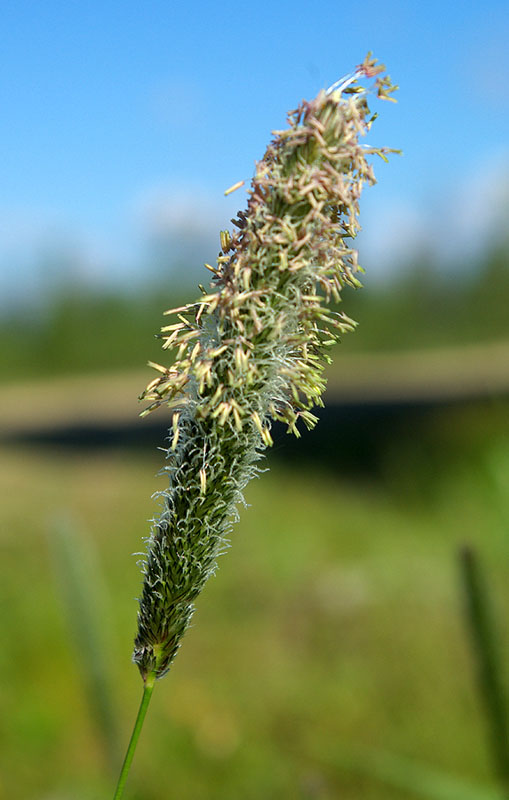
{"x": 332, "y": 633}
{"x": 329, "y": 658}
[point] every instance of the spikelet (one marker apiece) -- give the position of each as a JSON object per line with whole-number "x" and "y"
{"x": 254, "y": 349}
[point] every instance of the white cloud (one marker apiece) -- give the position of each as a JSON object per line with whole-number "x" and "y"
{"x": 42, "y": 251}
{"x": 175, "y": 228}
{"x": 183, "y": 208}
{"x": 466, "y": 219}
{"x": 476, "y": 211}
{"x": 181, "y": 223}
{"x": 392, "y": 234}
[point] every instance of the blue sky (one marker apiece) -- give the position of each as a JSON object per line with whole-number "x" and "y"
{"x": 126, "y": 121}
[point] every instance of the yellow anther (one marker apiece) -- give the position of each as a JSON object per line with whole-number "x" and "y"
{"x": 234, "y": 187}
{"x": 203, "y": 480}
{"x": 176, "y": 431}
{"x": 257, "y": 421}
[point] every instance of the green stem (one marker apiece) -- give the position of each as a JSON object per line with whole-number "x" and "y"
{"x": 486, "y": 651}
{"x": 145, "y": 700}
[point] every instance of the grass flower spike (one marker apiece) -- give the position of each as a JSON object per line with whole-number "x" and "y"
{"x": 253, "y": 350}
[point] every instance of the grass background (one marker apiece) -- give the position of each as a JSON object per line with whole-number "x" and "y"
{"x": 329, "y": 658}
{"x": 333, "y": 628}
{"x": 423, "y": 306}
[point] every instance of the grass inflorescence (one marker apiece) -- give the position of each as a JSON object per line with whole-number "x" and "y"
{"x": 253, "y": 350}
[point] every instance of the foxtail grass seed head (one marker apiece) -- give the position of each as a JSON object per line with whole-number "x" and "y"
{"x": 253, "y": 349}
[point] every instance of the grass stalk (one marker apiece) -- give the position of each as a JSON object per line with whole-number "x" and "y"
{"x": 253, "y": 351}
{"x": 489, "y": 673}
{"x": 140, "y": 718}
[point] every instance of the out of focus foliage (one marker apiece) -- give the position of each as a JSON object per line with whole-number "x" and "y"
{"x": 83, "y": 332}
{"x": 335, "y": 629}
{"x": 423, "y": 306}
{"x": 427, "y": 305}
{"x": 334, "y": 640}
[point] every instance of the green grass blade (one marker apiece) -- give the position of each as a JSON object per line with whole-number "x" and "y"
{"x": 80, "y": 587}
{"x": 481, "y": 627}
{"x": 407, "y": 775}
{"x": 422, "y": 781}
